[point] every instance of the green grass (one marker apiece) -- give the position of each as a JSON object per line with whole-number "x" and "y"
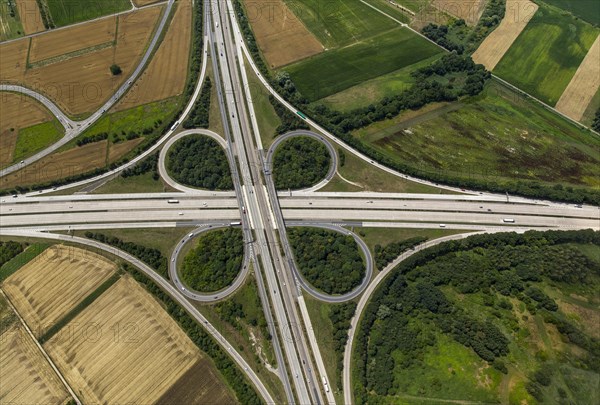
{"x": 35, "y": 138}
{"x": 496, "y": 136}
{"x": 546, "y": 55}
{"x": 373, "y": 90}
{"x": 587, "y": 10}
{"x": 340, "y": 22}
{"x": 143, "y": 183}
{"x": 371, "y": 178}
{"x": 87, "y": 301}
{"x": 266, "y": 116}
{"x": 11, "y": 26}
{"x": 385, "y": 236}
{"x": 66, "y": 12}
{"x": 336, "y": 70}
{"x": 21, "y": 259}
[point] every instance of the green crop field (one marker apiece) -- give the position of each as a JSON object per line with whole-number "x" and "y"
{"x": 588, "y": 10}
{"x": 339, "y": 69}
{"x": 65, "y": 12}
{"x": 340, "y": 22}
{"x": 37, "y": 137}
{"x": 544, "y": 58}
{"x": 497, "y": 137}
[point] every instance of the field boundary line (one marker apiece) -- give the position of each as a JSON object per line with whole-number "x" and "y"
{"x": 383, "y": 12}
{"x": 41, "y": 349}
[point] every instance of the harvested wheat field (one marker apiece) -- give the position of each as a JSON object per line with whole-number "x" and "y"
{"x": 493, "y": 48}
{"x": 468, "y": 10}
{"x": 80, "y": 82}
{"x": 16, "y": 112}
{"x": 584, "y": 85}
{"x": 166, "y": 74}
{"x": 69, "y": 163}
{"x": 30, "y": 16}
{"x": 80, "y": 37}
{"x": 53, "y": 283}
{"x": 281, "y": 36}
{"x": 25, "y": 375}
{"x": 149, "y": 354}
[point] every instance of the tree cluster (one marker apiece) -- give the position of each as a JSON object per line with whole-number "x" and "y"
{"x": 405, "y": 311}
{"x": 199, "y": 116}
{"x": 92, "y": 138}
{"x": 596, "y": 122}
{"x": 328, "y": 260}
{"x": 340, "y": 317}
{"x": 8, "y": 250}
{"x": 237, "y": 380}
{"x": 199, "y": 161}
{"x": 152, "y": 257}
{"x": 289, "y": 121}
{"x": 215, "y": 261}
{"x": 385, "y": 255}
{"x": 300, "y": 162}
{"x": 150, "y": 164}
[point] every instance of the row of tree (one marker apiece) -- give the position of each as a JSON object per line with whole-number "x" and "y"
{"x": 152, "y": 257}
{"x": 235, "y": 378}
{"x": 385, "y": 255}
{"x": 8, "y": 250}
{"x": 289, "y": 121}
{"x": 150, "y": 164}
{"x": 199, "y": 161}
{"x": 300, "y": 162}
{"x": 215, "y": 261}
{"x": 328, "y": 260}
{"x": 199, "y": 116}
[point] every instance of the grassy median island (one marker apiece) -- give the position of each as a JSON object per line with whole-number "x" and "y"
{"x": 493, "y": 318}
{"x": 300, "y": 162}
{"x": 328, "y": 260}
{"x": 214, "y": 261}
{"x": 199, "y": 161}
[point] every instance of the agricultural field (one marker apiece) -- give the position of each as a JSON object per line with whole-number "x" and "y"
{"x": 468, "y": 10}
{"x": 340, "y": 22}
{"x": 26, "y": 376}
{"x": 165, "y": 78}
{"x": 585, "y": 84}
{"x": 35, "y": 138}
{"x": 72, "y": 160}
{"x": 544, "y": 58}
{"x": 496, "y": 136}
{"x": 499, "y": 41}
{"x": 281, "y": 36}
{"x": 66, "y": 12}
{"x": 10, "y": 23}
{"x": 29, "y": 13}
{"x": 17, "y": 113}
{"x": 339, "y": 69}
{"x": 587, "y": 10}
{"x": 87, "y": 66}
{"x": 53, "y": 283}
{"x": 138, "y": 354}
{"x": 457, "y": 339}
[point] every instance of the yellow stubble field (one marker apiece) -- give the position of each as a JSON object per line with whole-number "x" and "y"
{"x": 53, "y": 283}
{"x": 30, "y": 16}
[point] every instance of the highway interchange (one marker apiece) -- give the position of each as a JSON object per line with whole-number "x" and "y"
{"x": 264, "y": 213}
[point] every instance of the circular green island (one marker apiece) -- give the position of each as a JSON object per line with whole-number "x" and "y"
{"x": 328, "y": 260}
{"x": 300, "y": 162}
{"x": 215, "y": 260}
{"x": 199, "y": 161}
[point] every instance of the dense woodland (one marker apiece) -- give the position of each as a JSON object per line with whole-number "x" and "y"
{"x": 328, "y": 260}
{"x": 413, "y": 306}
{"x": 386, "y": 254}
{"x": 8, "y": 250}
{"x": 152, "y": 257}
{"x": 215, "y": 261}
{"x": 300, "y": 162}
{"x": 199, "y": 115}
{"x": 340, "y": 316}
{"x": 235, "y": 378}
{"x": 596, "y": 122}
{"x": 199, "y": 161}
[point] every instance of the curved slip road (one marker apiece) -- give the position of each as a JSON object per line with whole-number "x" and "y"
{"x": 309, "y": 134}
{"x": 169, "y": 289}
{"x": 368, "y": 266}
{"x": 212, "y": 296}
{"x": 346, "y": 372}
{"x": 162, "y": 169}
{"x": 81, "y": 126}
